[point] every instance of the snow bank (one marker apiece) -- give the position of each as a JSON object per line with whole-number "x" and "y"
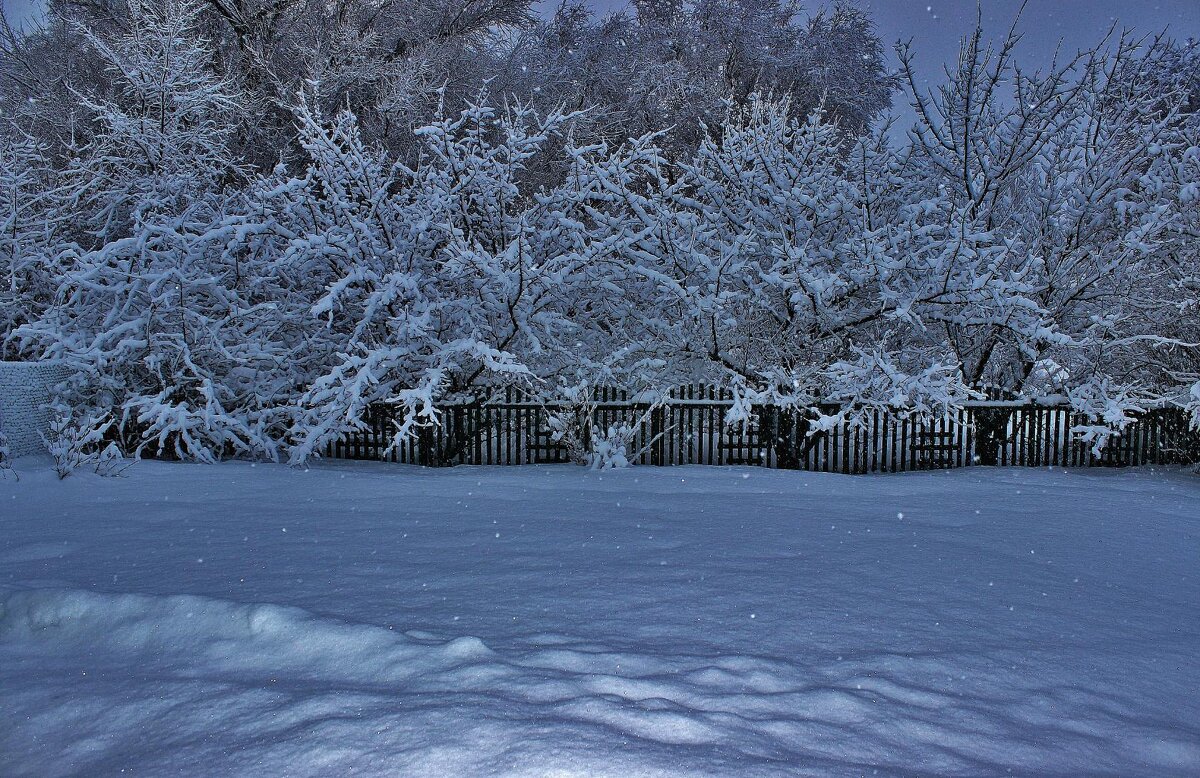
{"x": 234, "y": 640}
{"x": 379, "y": 621}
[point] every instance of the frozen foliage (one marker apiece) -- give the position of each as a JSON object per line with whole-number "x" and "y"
{"x": 610, "y": 446}
{"x": 1035, "y": 232}
{"x": 78, "y": 439}
{"x": 659, "y": 65}
{"x": 570, "y": 422}
{"x": 1059, "y": 187}
{"x": 360, "y": 619}
{"x": 434, "y": 276}
{"x": 111, "y": 461}
{"x": 1110, "y": 407}
{"x": 64, "y": 443}
{"x": 607, "y": 446}
{"x": 393, "y": 61}
{"x": 146, "y": 308}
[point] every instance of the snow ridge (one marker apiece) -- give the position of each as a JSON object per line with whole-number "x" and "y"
{"x": 760, "y": 712}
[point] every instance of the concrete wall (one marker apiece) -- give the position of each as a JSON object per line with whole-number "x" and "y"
{"x": 24, "y": 391}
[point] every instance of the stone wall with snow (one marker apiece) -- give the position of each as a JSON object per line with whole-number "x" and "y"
{"x": 25, "y": 388}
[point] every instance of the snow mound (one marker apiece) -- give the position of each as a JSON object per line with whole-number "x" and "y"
{"x": 252, "y": 684}
{"x": 243, "y": 642}
{"x": 241, "y": 685}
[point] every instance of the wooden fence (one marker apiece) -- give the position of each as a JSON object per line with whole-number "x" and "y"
{"x": 689, "y": 428}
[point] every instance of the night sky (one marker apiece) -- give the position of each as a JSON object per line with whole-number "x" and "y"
{"x": 936, "y": 26}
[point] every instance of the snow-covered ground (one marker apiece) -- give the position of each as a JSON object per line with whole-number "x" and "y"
{"x": 362, "y": 619}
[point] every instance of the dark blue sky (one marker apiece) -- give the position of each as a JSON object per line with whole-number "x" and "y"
{"x": 937, "y": 27}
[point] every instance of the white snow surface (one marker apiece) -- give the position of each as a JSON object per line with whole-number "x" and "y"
{"x": 362, "y": 619}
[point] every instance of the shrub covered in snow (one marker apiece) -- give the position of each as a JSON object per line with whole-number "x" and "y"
{"x": 570, "y": 422}
{"x": 610, "y": 446}
{"x": 78, "y": 439}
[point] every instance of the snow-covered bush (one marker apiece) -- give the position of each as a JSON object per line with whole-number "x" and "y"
{"x": 63, "y": 444}
{"x": 433, "y": 278}
{"x": 111, "y": 462}
{"x": 1193, "y": 411}
{"x": 149, "y": 306}
{"x": 79, "y": 439}
{"x": 75, "y": 439}
{"x": 570, "y": 422}
{"x": 610, "y": 446}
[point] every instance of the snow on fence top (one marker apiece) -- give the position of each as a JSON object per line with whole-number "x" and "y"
{"x": 25, "y": 390}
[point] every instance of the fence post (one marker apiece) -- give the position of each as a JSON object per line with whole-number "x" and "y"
{"x": 425, "y": 446}
{"x": 459, "y": 442}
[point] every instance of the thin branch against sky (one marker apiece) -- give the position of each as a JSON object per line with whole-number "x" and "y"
{"x": 936, "y": 27}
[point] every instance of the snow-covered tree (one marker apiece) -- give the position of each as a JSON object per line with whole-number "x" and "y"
{"x": 1053, "y": 180}
{"x": 27, "y": 272}
{"x": 671, "y": 65}
{"x": 162, "y": 141}
{"x": 1057, "y": 188}
{"x": 762, "y": 262}
{"x": 434, "y": 279}
{"x": 147, "y": 309}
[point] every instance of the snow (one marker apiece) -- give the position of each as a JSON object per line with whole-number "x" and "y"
{"x": 386, "y": 620}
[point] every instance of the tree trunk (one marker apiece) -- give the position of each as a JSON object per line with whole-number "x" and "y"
{"x": 991, "y": 424}
{"x": 788, "y": 430}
